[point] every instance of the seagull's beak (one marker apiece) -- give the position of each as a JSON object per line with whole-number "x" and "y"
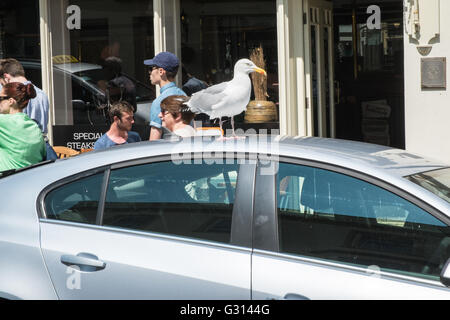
{"x": 259, "y": 70}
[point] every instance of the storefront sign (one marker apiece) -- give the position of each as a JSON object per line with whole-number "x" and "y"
{"x": 84, "y": 136}
{"x": 433, "y": 73}
{"x": 77, "y": 137}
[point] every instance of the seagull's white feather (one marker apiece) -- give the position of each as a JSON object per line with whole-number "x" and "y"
{"x": 227, "y": 98}
{"x": 202, "y": 101}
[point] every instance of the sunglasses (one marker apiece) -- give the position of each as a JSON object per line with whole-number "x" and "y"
{"x": 4, "y": 98}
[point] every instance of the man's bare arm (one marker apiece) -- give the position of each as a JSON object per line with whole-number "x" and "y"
{"x": 155, "y": 134}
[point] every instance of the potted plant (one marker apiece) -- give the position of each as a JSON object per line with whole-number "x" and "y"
{"x": 260, "y": 110}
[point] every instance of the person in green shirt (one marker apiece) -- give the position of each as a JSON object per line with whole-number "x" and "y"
{"x": 21, "y": 140}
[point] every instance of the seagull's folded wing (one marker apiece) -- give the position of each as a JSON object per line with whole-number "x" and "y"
{"x": 204, "y": 100}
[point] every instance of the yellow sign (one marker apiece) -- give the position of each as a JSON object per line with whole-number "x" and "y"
{"x": 64, "y": 59}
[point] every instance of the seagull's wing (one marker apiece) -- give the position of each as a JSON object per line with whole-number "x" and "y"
{"x": 217, "y": 88}
{"x": 204, "y": 100}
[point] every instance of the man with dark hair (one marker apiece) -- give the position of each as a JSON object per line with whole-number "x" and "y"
{"x": 38, "y": 108}
{"x": 121, "y": 114}
{"x": 163, "y": 70}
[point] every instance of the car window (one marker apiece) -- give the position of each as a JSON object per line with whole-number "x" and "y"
{"x": 191, "y": 200}
{"x": 436, "y": 181}
{"x": 76, "y": 201}
{"x": 335, "y": 217}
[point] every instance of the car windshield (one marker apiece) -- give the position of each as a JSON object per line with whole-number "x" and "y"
{"x": 436, "y": 181}
{"x": 93, "y": 76}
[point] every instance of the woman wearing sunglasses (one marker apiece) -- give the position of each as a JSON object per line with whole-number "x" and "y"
{"x": 21, "y": 141}
{"x": 176, "y": 117}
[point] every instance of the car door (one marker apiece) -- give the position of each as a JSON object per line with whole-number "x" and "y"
{"x": 151, "y": 230}
{"x": 326, "y": 234}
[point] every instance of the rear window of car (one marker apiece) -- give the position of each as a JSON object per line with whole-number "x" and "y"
{"x": 436, "y": 181}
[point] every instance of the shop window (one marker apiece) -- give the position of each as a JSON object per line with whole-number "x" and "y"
{"x": 98, "y": 51}
{"x": 20, "y": 35}
{"x": 19, "y": 30}
{"x": 379, "y": 50}
{"x": 215, "y": 34}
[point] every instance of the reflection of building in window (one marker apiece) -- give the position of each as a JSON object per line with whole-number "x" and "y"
{"x": 380, "y": 48}
{"x": 19, "y": 29}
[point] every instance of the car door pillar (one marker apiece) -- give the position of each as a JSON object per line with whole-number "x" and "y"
{"x": 265, "y": 230}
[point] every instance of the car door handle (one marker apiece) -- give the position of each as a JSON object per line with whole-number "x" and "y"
{"x": 294, "y": 296}
{"x": 85, "y": 261}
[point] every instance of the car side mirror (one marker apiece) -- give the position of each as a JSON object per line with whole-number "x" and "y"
{"x": 445, "y": 274}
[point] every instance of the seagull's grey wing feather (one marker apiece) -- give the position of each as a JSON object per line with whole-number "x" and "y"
{"x": 203, "y": 101}
{"x": 217, "y": 88}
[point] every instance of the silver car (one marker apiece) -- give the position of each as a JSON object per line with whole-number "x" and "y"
{"x": 254, "y": 218}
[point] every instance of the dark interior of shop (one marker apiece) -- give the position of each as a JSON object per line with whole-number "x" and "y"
{"x": 375, "y": 74}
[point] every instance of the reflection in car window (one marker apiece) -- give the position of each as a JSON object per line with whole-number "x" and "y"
{"x": 436, "y": 181}
{"x": 76, "y": 201}
{"x": 192, "y": 200}
{"x": 335, "y": 217}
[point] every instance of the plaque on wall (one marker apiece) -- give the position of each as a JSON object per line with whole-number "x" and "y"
{"x": 433, "y": 73}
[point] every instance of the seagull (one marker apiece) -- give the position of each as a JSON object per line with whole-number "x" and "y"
{"x": 226, "y": 99}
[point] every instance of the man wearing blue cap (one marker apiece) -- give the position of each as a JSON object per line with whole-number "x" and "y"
{"x": 163, "y": 70}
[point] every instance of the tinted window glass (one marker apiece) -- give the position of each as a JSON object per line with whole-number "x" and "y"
{"x": 33, "y": 73}
{"x": 436, "y": 181}
{"x": 215, "y": 34}
{"x": 19, "y": 30}
{"x": 332, "y": 216}
{"x": 76, "y": 201}
{"x": 192, "y": 200}
{"x": 104, "y": 43}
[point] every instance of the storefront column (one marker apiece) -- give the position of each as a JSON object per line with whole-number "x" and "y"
{"x": 46, "y": 61}
{"x": 166, "y": 24}
{"x": 291, "y": 67}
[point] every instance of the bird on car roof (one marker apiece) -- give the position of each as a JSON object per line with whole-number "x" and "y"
{"x": 226, "y": 99}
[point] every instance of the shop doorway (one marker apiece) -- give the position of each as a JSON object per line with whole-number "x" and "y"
{"x": 354, "y": 70}
{"x": 319, "y": 68}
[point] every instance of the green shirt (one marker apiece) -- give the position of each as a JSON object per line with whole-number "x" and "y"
{"x": 21, "y": 141}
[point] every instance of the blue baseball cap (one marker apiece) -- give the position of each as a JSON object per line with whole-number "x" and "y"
{"x": 166, "y": 60}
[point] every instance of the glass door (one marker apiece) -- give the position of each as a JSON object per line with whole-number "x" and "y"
{"x": 319, "y": 68}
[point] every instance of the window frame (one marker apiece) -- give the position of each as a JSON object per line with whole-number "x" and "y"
{"x": 241, "y": 228}
{"x": 271, "y": 244}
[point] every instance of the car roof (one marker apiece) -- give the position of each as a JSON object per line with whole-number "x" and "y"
{"x": 376, "y": 160}
{"x": 379, "y": 162}
{"x": 359, "y": 156}
{"x": 77, "y": 66}
{"x": 356, "y": 155}
{"x": 68, "y": 67}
